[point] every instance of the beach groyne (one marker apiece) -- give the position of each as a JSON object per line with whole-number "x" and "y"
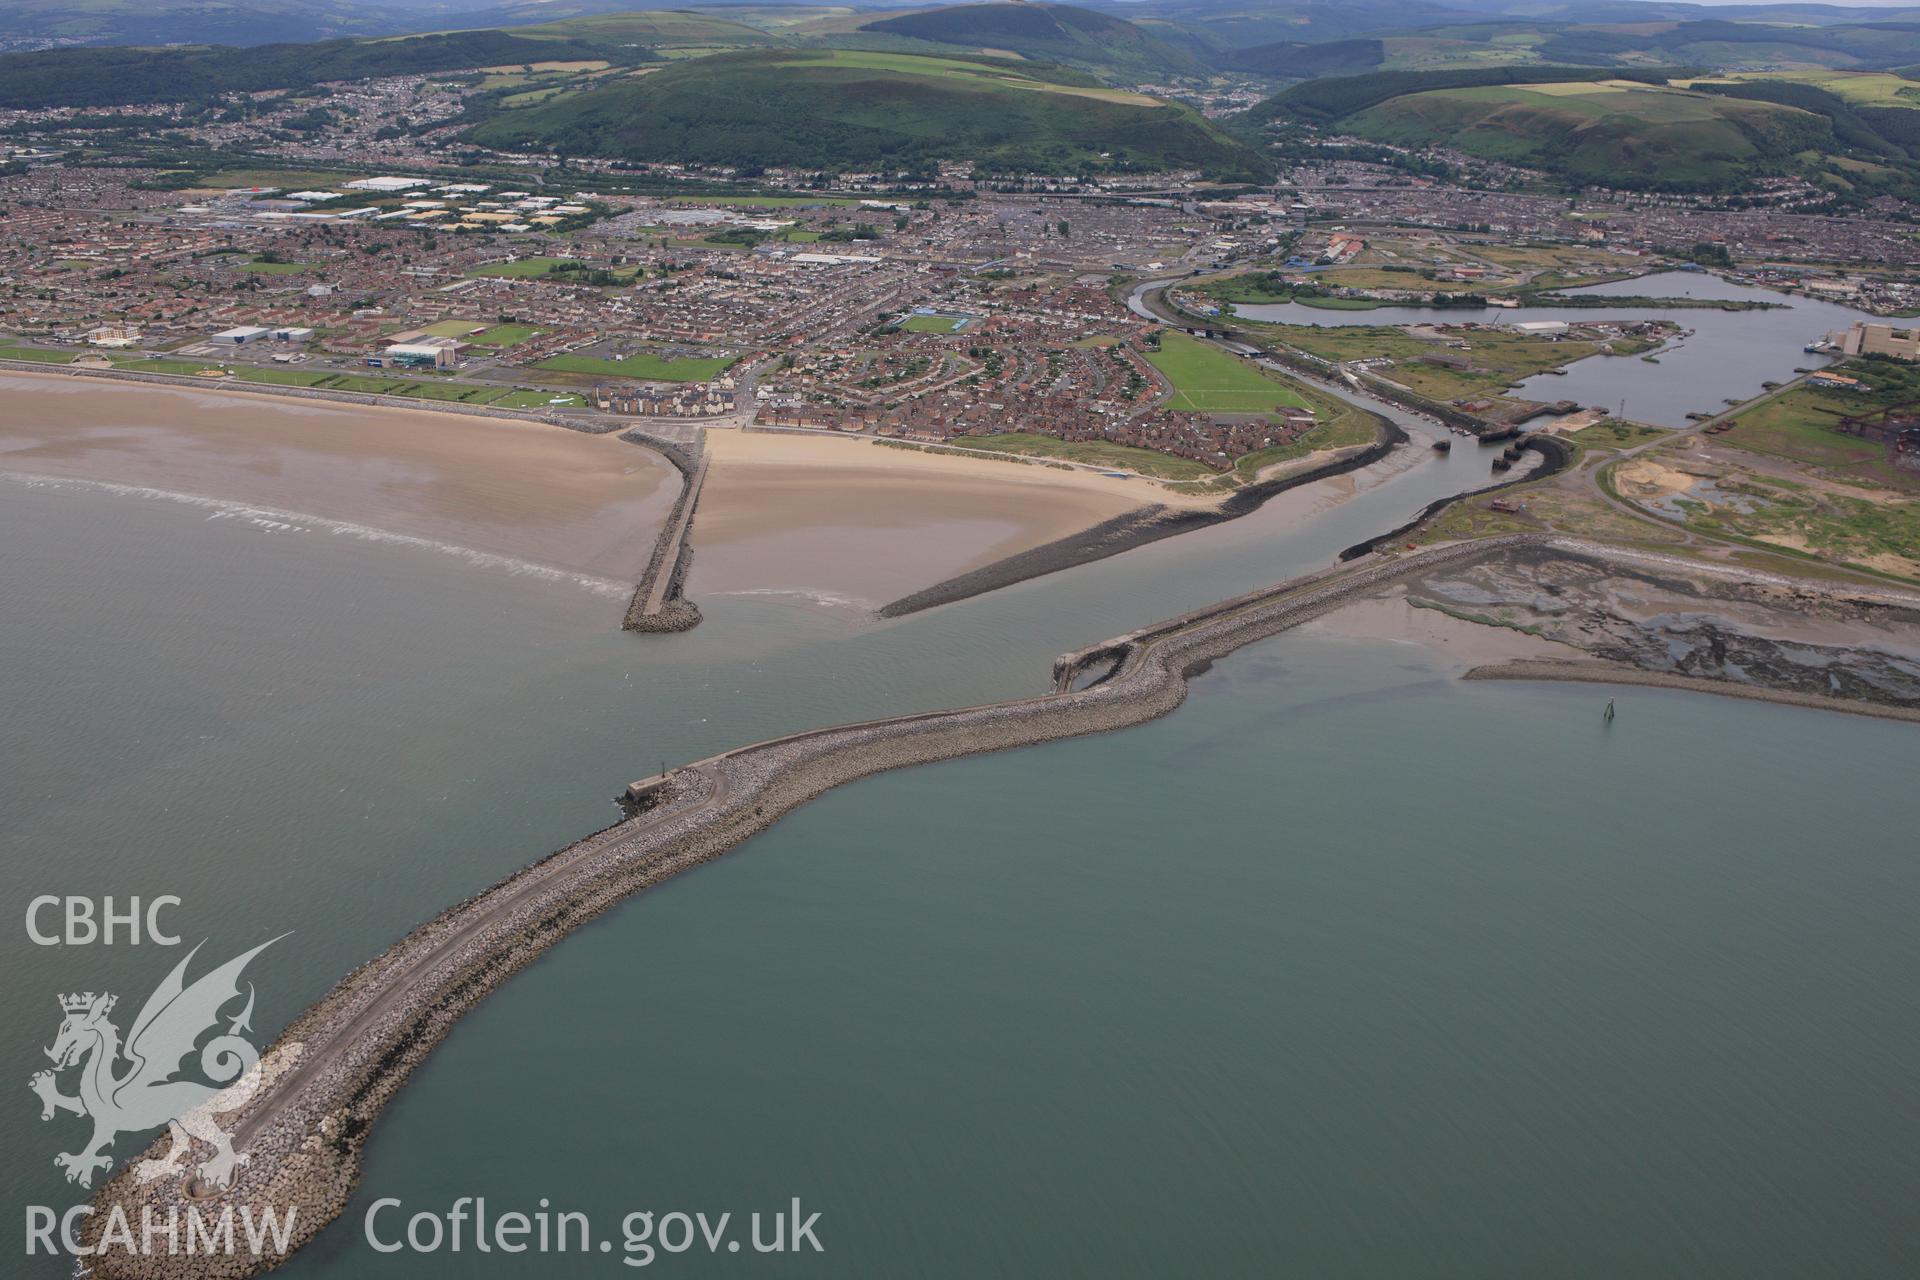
{"x": 326, "y": 1079}
{"x": 659, "y": 604}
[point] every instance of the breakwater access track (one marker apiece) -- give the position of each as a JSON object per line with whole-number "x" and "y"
{"x": 324, "y": 1082}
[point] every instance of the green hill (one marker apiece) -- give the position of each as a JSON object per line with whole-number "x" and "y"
{"x": 1046, "y": 32}
{"x": 111, "y": 76}
{"x": 240, "y": 22}
{"x": 655, "y": 28}
{"x": 856, "y": 110}
{"x": 1292, "y": 60}
{"x": 1605, "y": 132}
{"x": 1590, "y": 127}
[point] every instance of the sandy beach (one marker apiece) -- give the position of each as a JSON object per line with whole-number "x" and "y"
{"x": 850, "y": 520}
{"x": 522, "y": 490}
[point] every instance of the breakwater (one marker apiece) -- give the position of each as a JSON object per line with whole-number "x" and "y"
{"x": 1556, "y": 456}
{"x": 1137, "y": 528}
{"x": 328, "y": 1076}
{"x": 1600, "y": 671}
{"x": 658, "y": 604}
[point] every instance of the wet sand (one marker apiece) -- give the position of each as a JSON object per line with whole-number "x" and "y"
{"x": 522, "y": 490}
{"x": 844, "y": 520}
{"x": 1452, "y": 644}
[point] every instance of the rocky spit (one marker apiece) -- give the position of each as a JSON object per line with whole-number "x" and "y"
{"x": 329, "y": 1075}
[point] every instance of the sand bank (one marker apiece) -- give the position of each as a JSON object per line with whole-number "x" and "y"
{"x": 857, "y": 521}
{"x": 524, "y": 490}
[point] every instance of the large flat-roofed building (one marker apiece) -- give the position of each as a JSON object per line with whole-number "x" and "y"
{"x": 1878, "y": 340}
{"x": 388, "y": 184}
{"x": 433, "y": 353}
{"x": 240, "y": 335}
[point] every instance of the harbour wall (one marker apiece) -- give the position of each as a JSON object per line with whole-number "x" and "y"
{"x": 329, "y": 1075}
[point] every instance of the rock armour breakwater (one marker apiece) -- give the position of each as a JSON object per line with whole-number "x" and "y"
{"x": 658, "y": 604}
{"x": 1594, "y": 671}
{"x": 329, "y": 1075}
{"x": 1137, "y": 528}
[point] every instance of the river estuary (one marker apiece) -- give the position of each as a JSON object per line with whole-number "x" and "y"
{"x": 1347, "y": 967}
{"x": 1727, "y": 355}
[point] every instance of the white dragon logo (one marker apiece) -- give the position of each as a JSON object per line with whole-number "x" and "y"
{"x": 146, "y": 1096}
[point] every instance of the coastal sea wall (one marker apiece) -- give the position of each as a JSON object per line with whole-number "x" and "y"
{"x": 324, "y": 1082}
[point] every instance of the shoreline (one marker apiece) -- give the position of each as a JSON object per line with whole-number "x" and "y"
{"x": 516, "y": 488}
{"x": 1603, "y": 671}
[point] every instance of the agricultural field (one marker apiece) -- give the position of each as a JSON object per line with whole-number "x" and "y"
{"x": 655, "y": 28}
{"x": 1863, "y": 88}
{"x": 1207, "y": 380}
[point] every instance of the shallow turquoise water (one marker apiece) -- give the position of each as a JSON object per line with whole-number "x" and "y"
{"x": 1346, "y": 968}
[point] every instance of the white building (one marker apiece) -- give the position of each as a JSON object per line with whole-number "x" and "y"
{"x": 388, "y": 184}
